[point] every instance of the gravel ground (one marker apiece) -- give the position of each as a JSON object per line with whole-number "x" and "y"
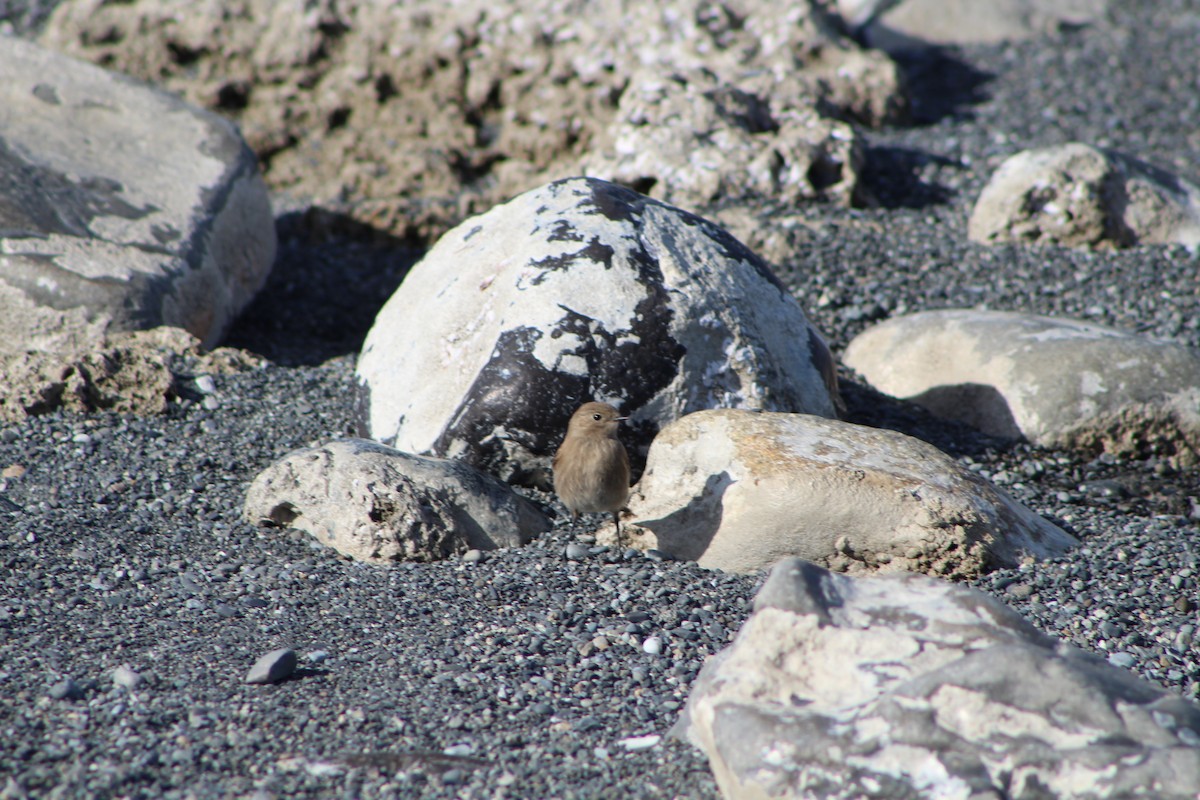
{"x": 526, "y": 674}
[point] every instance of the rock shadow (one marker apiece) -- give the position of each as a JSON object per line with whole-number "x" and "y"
{"x": 865, "y": 405}
{"x": 892, "y": 178}
{"x": 331, "y": 276}
{"x": 686, "y": 533}
{"x": 940, "y": 84}
{"x": 976, "y": 404}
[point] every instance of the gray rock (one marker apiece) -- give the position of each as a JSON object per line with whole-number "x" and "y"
{"x": 67, "y": 689}
{"x": 1055, "y": 382}
{"x": 576, "y": 552}
{"x": 124, "y": 209}
{"x": 738, "y": 490}
{"x": 126, "y": 677}
{"x": 1080, "y": 196}
{"x": 900, "y": 25}
{"x": 373, "y": 503}
{"x": 576, "y": 291}
{"x": 906, "y": 686}
{"x": 273, "y": 667}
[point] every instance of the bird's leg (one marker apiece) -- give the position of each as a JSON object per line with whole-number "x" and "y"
{"x": 617, "y": 522}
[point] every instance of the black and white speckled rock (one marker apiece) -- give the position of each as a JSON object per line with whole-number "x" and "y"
{"x": 576, "y": 291}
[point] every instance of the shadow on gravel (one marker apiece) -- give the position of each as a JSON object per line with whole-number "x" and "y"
{"x": 941, "y": 85}
{"x": 892, "y": 177}
{"x": 867, "y": 406}
{"x": 331, "y": 277}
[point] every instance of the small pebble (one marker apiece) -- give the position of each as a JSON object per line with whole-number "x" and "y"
{"x": 273, "y": 667}
{"x": 1021, "y": 591}
{"x": 473, "y": 556}
{"x": 125, "y": 676}
{"x": 1122, "y": 660}
{"x": 652, "y": 645}
{"x": 66, "y": 689}
{"x": 640, "y": 742}
{"x": 576, "y": 552}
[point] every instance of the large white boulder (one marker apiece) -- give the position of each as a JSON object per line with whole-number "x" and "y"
{"x": 581, "y": 290}
{"x": 122, "y": 208}
{"x": 906, "y": 686}
{"x": 1055, "y": 382}
{"x": 739, "y": 490}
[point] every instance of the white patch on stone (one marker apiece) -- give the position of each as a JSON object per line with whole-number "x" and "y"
{"x": 973, "y": 715}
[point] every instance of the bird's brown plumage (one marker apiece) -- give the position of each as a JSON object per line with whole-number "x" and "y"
{"x": 591, "y": 467}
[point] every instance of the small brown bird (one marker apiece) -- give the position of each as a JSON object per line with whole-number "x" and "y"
{"x": 591, "y": 467}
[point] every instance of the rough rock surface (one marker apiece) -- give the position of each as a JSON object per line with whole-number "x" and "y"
{"x": 409, "y": 117}
{"x": 121, "y": 208}
{"x": 373, "y": 503}
{"x": 739, "y": 490}
{"x": 580, "y": 290}
{"x": 691, "y": 140}
{"x": 1055, "y": 382}
{"x": 903, "y": 686}
{"x": 141, "y": 372}
{"x": 1081, "y": 196}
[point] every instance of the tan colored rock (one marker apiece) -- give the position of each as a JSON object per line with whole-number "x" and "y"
{"x": 1080, "y": 196}
{"x": 123, "y": 208}
{"x": 689, "y": 139}
{"x": 373, "y": 503}
{"x": 739, "y": 490}
{"x": 1055, "y": 382}
{"x": 411, "y": 116}
{"x": 907, "y": 687}
{"x": 138, "y": 372}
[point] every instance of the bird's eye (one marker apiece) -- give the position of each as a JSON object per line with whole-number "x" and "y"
{"x": 596, "y": 417}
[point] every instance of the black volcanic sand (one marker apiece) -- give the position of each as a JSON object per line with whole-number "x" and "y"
{"x": 522, "y": 675}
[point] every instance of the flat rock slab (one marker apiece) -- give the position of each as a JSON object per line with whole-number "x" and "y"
{"x": 121, "y": 208}
{"x": 1055, "y": 382}
{"x": 376, "y": 504}
{"x": 1081, "y": 196}
{"x": 906, "y": 686}
{"x": 739, "y": 490}
{"x": 580, "y": 290}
